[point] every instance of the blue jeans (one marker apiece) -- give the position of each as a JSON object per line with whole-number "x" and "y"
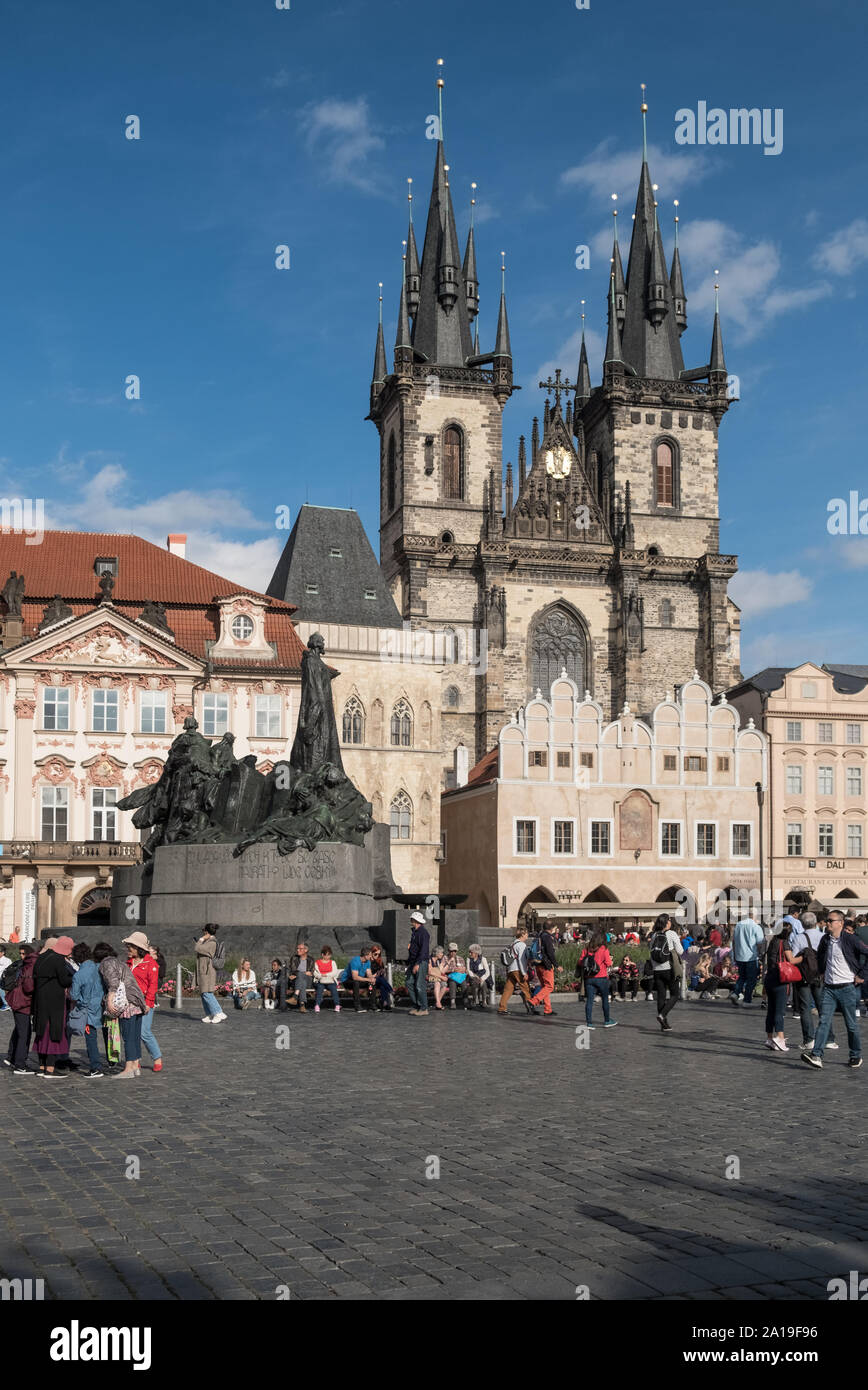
{"x": 331, "y": 986}
{"x": 592, "y": 988}
{"x": 240, "y": 996}
{"x": 148, "y": 1039}
{"x": 417, "y": 986}
{"x": 210, "y": 1005}
{"x": 3, "y": 1004}
{"x": 776, "y": 1003}
{"x": 131, "y": 1033}
{"x": 748, "y": 974}
{"x": 845, "y": 998}
{"x": 91, "y": 1042}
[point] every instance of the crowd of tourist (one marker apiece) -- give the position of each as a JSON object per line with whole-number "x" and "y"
{"x": 806, "y": 964}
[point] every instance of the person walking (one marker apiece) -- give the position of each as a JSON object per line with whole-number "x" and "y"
{"x": 88, "y": 992}
{"x": 666, "y": 949}
{"x": 418, "y": 955}
{"x": 776, "y": 988}
{"x": 20, "y": 1000}
{"x": 546, "y": 967}
{"x": 595, "y": 963}
{"x": 52, "y": 977}
{"x": 808, "y": 993}
{"x": 125, "y": 1002}
{"x": 5, "y": 962}
{"x": 515, "y": 960}
{"x": 206, "y": 975}
{"x": 147, "y": 976}
{"x": 747, "y": 938}
{"x": 843, "y": 962}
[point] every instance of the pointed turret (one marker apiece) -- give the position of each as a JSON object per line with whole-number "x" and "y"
{"x": 717, "y": 373}
{"x": 657, "y": 294}
{"x": 613, "y": 358}
{"x": 522, "y": 463}
{"x": 618, "y": 272}
{"x": 448, "y": 264}
{"x": 380, "y": 369}
{"x": 583, "y": 376}
{"x": 676, "y": 285}
{"x": 413, "y": 272}
{"x": 403, "y": 341}
{"x": 534, "y": 443}
{"x": 502, "y": 363}
{"x": 471, "y": 279}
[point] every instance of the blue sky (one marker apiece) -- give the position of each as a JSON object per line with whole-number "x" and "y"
{"x": 261, "y": 127}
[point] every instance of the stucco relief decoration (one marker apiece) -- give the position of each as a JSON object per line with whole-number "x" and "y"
{"x": 155, "y": 682}
{"x": 102, "y": 771}
{"x": 56, "y": 678}
{"x": 54, "y": 770}
{"x": 146, "y": 774}
{"x": 105, "y": 646}
{"x": 25, "y": 708}
{"x": 181, "y": 712}
{"x": 635, "y": 822}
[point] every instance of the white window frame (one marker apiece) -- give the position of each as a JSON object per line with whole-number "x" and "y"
{"x": 855, "y": 771}
{"x": 799, "y": 770}
{"x": 57, "y": 691}
{"x": 794, "y": 724}
{"x": 153, "y": 700}
{"x": 823, "y": 768}
{"x": 852, "y": 825}
{"x": 60, "y": 800}
{"x": 854, "y": 742}
{"x": 107, "y": 812}
{"x": 825, "y": 724}
{"x": 821, "y": 826}
{"x": 108, "y": 697}
{"x": 215, "y": 696}
{"x": 742, "y": 825}
{"x": 597, "y": 853}
{"x": 525, "y": 853}
{"x": 680, "y": 824}
{"x": 258, "y": 702}
{"x": 801, "y": 834}
{"x": 703, "y": 854}
{"x": 563, "y": 820}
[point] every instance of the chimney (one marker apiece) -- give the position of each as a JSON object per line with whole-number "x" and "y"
{"x": 461, "y": 763}
{"x": 177, "y": 545}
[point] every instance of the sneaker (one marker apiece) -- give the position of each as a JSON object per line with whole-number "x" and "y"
{"x": 854, "y": 1062}
{"x": 95, "y": 1072}
{"x": 833, "y": 1047}
{"x": 53, "y": 1075}
{"x": 552, "y": 1013}
{"x": 613, "y": 1023}
{"x": 316, "y": 1008}
{"x": 218, "y": 1018}
{"x": 337, "y": 1008}
{"x": 422, "y": 1013}
{"x": 158, "y": 1065}
{"x": 207, "y": 1019}
{"x": 808, "y": 1046}
{"x": 779, "y": 1046}
{"x": 592, "y": 1026}
{"x": 25, "y": 1071}
{"x": 660, "y": 1018}
{"x": 6, "y": 1062}
{"x": 734, "y": 999}
{"x": 811, "y": 1060}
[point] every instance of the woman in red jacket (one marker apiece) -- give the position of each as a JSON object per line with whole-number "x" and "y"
{"x": 594, "y": 966}
{"x": 147, "y": 974}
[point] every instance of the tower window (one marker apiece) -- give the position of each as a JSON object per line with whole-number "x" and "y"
{"x": 391, "y": 475}
{"x": 665, "y": 474}
{"x": 667, "y": 613}
{"x": 453, "y": 463}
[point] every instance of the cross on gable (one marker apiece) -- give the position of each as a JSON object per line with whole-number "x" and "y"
{"x": 558, "y": 387}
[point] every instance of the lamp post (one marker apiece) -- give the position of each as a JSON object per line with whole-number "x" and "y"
{"x": 759, "y": 802}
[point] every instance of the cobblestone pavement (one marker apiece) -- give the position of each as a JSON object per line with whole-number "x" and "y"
{"x": 304, "y": 1168}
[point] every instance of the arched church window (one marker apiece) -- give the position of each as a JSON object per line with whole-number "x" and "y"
{"x": 664, "y": 482}
{"x": 453, "y": 463}
{"x": 353, "y": 721}
{"x": 401, "y": 817}
{"x": 453, "y": 697}
{"x": 402, "y": 725}
{"x": 557, "y": 642}
{"x": 391, "y": 475}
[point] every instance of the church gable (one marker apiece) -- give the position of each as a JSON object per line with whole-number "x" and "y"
{"x": 555, "y": 500}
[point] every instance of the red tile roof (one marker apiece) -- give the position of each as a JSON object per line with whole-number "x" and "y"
{"x": 63, "y": 563}
{"x": 484, "y": 771}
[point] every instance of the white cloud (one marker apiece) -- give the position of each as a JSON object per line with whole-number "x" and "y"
{"x": 605, "y": 172}
{"x": 759, "y": 591}
{"x": 341, "y": 140}
{"x": 567, "y": 358}
{"x": 845, "y": 249}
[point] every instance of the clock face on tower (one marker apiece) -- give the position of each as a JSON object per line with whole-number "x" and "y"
{"x": 558, "y": 463}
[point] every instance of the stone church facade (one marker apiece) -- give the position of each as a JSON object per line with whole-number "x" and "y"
{"x": 598, "y": 554}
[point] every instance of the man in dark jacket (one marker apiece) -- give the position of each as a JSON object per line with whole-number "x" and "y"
{"x": 843, "y": 962}
{"x": 19, "y": 999}
{"x": 546, "y": 967}
{"x": 417, "y": 965}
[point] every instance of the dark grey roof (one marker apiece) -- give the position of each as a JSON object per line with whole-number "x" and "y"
{"x": 848, "y": 680}
{"x": 770, "y": 678}
{"x": 650, "y": 353}
{"x": 444, "y": 338}
{"x": 341, "y": 581}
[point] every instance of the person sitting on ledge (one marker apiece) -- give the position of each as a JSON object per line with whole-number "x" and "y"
{"x": 437, "y": 976}
{"x": 479, "y": 977}
{"x": 244, "y": 990}
{"x": 381, "y": 978}
{"x": 270, "y": 984}
{"x": 326, "y": 975}
{"x": 300, "y": 970}
{"x": 358, "y": 975}
{"x": 628, "y": 977}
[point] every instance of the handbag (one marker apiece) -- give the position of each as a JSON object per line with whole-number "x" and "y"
{"x": 789, "y": 974}
{"x": 458, "y": 976}
{"x": 77, "y": 1020}
{"x": 116, "y": 1000}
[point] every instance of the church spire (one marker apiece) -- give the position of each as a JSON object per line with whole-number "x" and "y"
{"x": 613, "y": 341}
{"x": 441, "y": 328}
{"x": 618, "y": 269}
{"x": 471, "y": 279}
{"x": 717, "y": 364}
{"x": 650, "y": 333}
{"x": 380, "y": 371}
{"x": 583, "y": 376}
{"x": 403, "y": 341}
{"x": 414, "y": 277}
{"x": 502, "y": 348}
{"x": 676, "y": 283}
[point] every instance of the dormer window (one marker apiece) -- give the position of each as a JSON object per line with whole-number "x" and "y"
{"x": 106, "y": 562}
{"x": 336, "y": 553}
{"x": 242, "y": 628}
{"x": 311, "y": 589}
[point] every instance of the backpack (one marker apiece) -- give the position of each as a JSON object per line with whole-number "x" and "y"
{"x": 218, "y": 960}
{"x": 534, "y": 951}
{"x": 590, "y": 967}
{"x": 11, "y": 975}
{"x": 507, "y": 958}
{"x": 809, "y": 966}
{"x": 660, "y": 950}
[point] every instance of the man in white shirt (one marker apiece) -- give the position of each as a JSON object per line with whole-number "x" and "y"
{"x": 843, "y": 962}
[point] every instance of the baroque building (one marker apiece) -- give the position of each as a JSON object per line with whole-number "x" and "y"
{"x": 598, "y": 553}
{"x": 107, "y": 643}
